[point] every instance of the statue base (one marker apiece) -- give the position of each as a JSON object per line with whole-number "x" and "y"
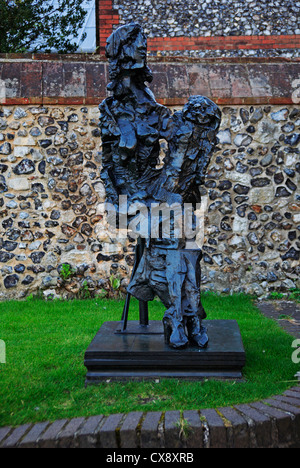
{"x": 141, "y": 353}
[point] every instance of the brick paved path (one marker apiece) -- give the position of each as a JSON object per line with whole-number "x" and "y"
{"x": 277, "y": 309}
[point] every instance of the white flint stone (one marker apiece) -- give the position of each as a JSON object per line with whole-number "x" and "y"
{"x": 12, "y": 205}
{"x": 296, "y": 218}
{"x": 243, "y": 139}
{"x": 224, "y": 137}
{"x": 280, "y": 116}
{"x": 37, "y": 156}
{"x": 35, "y": 245}
{"x": 24, "y": 141}
{"x": 21, "y": 151}
{"x": 240, "y": 225}
{"x": 261, "y": 196}
{"x": 18, "y": 183}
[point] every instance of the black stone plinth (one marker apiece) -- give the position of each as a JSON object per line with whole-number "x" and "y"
{"x": 141, "y": 354}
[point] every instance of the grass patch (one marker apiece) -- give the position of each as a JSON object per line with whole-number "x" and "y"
{"x": 44, "y": 376}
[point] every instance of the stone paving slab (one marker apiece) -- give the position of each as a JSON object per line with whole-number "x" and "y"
{"x": 276, "y": 309}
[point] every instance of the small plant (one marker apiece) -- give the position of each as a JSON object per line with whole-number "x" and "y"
{"x": 67, "y": 271}
{"x": 115, "y": 282}
{"x": 274, "y": 295}
{"x": 184, "y": 428}
{"x": 84, "y": 292}
{"x": 29, "y": 298}
{"x": 114, "y": 291}
{"x": 285, "y": 317}
{"x": 35, "y": 297}
{"x": 295, "y": 294}
{"x": 102, "y": 294}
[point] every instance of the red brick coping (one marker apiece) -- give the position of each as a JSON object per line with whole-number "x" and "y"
{"x": 81, "y": 80}
{"x": 223, "y": 43}
{"x": 271, "y": 423}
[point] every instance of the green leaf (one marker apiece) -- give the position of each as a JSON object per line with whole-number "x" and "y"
{"x": 23, "y": 22}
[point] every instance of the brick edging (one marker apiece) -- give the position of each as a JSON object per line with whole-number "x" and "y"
{"x": 270, "y": 423}
{"x": 223, "y": 43}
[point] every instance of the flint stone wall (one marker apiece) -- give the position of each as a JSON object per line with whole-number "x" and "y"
{"x": 175, "y": 19}
{"x": 50, "y": 186}
{"x": 169, "y": 18}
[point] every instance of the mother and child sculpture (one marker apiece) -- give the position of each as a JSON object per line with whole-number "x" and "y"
{"x": 133, "y": 125}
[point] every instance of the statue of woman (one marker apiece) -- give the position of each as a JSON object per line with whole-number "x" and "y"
{"x": 132, "y": 125}
{"x": 132, "y": 122}
{"x": 170, "y": 268}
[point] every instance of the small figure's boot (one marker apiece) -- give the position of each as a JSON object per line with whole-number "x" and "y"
{"x": 196, "y": 333}
{"x": 174, "y": 333}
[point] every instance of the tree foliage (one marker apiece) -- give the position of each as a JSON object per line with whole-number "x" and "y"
{"x": 40, "y": 25}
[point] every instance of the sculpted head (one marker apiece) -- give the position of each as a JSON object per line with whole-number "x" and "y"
{"x": 202, "y": 111}
{"x": 126, "y": 51}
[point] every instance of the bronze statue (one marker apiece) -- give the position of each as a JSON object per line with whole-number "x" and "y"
{"x": 132, "y": 125}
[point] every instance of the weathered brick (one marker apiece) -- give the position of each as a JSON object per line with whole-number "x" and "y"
{"x": 194, "y": 437}
{"x": 198, "y": 79}
{"x": 11, "y": 75}
{"x": 95, "y": 84}
{"x": 108, "y": 432}
{"x": 240, "y": 86}
{"x": 149, "y": 430}
{"x": 31, "y": 438}
{"x": 289, "y": 400}
{"x": 277, "y": 402}
{"x": 53, "y": 79}
{"x": 31, "y": 79}
{"x": 48, "y": 439}
{"x": 159, "y": 86}
{"x": 178, "y": 81}
{"x": 74, "y": 79}
{"x": 239, "y": 428}
{"x": 217, "y": 430}
{"x": 129, "y": 431}
{"x": 15, "y": 437}
{"x": 4, "y": 431}
{"x": 66, "y": 438}
{"x": 262, "y": 426}
{"x": 292, "y": 393}
{"x": 282, "y": 420}
{"x": 296, "y": 388}
{"x": 172, "y": 429}
{"x": 293, "y": 410}
{"x": 88, "y": 434}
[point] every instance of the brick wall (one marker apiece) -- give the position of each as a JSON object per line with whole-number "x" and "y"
{"x": 108, "y": 18}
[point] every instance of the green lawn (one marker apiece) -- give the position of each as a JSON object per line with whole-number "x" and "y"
{"x": 43, "y": 378}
